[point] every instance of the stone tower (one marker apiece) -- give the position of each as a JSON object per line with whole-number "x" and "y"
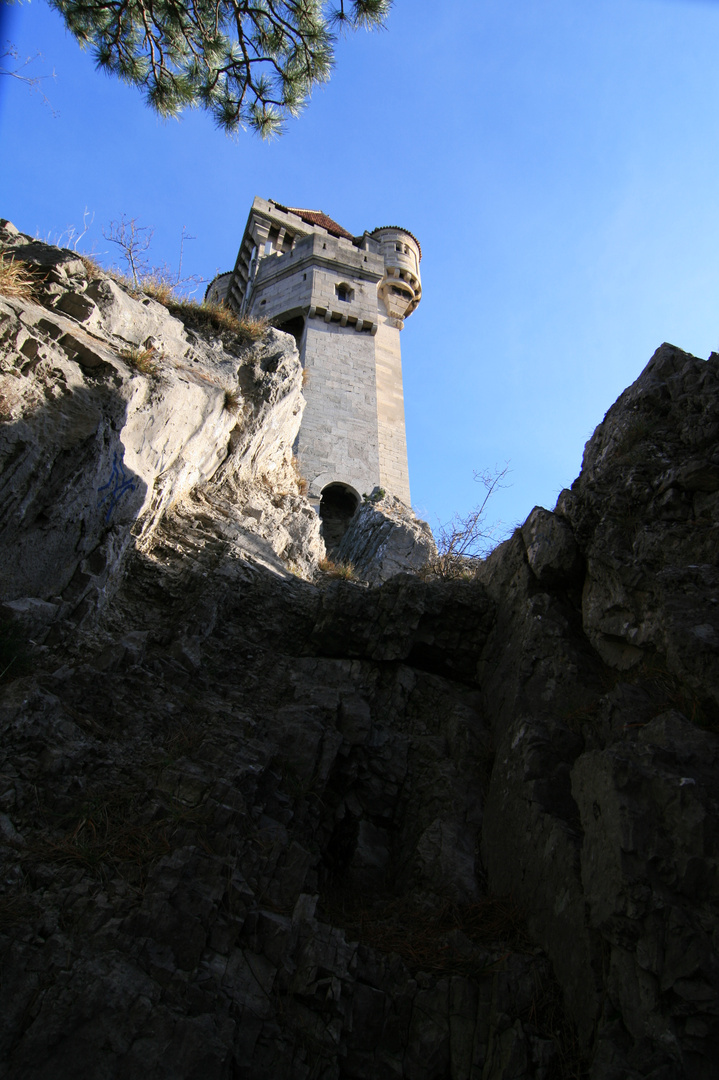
{"x": 344, "y": 298}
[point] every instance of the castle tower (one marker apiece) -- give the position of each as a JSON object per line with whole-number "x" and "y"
{"x": 344, "y": 298}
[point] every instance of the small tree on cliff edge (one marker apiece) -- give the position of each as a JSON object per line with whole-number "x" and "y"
{"x": 250, "y": 63}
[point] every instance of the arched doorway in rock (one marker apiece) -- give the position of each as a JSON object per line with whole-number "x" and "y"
{"x": 337, "y": 505}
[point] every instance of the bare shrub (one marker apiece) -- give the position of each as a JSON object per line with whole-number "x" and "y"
{"x": 134, "y": 241}
{"x": 161, "y": 282}
{"x": 464, "y": 540}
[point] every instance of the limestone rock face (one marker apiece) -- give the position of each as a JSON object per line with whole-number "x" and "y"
{"x": 252, "y": 827}
{"x": 602, "y": 684}
{"x": 114, "y": 411}
{"x": 552, "y": 551}
{"x": 385, "y": 538}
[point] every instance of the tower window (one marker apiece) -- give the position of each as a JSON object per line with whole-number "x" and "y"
{"x": 344, "y": 292}
{"x": 398, "y": 247}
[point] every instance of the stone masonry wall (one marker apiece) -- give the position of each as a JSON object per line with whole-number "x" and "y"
{"x": 394, "y": 473}
{"x": 273, "y": 298}
{"x": 338, "y": 438}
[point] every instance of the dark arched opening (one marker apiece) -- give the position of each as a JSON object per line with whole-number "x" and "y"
{"x": 294, "y": 326}
{"x": 337, "y": 505}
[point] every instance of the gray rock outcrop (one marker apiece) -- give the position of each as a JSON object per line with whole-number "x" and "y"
{"x": 252, "y": 827}
{"x": 113, "y": 411}
{"x": 602, "y": 681}
{"x": 385, "y": 538}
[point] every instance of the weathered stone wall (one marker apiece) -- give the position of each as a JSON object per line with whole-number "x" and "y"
{"x": 393, "y": 468}
{"x": 338, "y": 439}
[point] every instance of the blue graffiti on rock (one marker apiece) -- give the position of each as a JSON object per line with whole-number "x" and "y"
{"x": 118, "y": 485}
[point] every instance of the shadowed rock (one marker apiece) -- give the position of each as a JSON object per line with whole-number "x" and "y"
{"x": 252, "y": 828}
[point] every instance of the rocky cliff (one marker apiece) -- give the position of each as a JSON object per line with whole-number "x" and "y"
{"x": 259, "y": 826}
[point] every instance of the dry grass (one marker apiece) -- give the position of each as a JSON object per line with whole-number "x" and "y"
{"x": 233, "y": 401}
{"x": 203, "y": 316}
{"x": 344, "y": 571}
{"x": 547, "y": 1015}
{"x": 435, "y": 941}
{"x": 159, "y": 290}
{"x": 16, "y": 279}
{"x": 92, "y": 266}
{"x": 214, "y": 317}
{"x": 143, "y": 360}
{"x": 305, "y": 377}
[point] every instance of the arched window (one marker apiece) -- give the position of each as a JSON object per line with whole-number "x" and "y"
{"x": 344, "y": 292}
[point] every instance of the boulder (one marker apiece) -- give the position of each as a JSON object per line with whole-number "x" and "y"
{"x": 385, "y": 538}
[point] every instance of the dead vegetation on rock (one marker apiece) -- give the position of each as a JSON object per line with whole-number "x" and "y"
{"x": 15, "y": 280}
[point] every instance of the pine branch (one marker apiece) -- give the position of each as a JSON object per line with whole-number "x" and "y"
{"x": 251, "y": 63}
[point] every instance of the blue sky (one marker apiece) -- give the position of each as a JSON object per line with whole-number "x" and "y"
{"x": 559, "y": 163}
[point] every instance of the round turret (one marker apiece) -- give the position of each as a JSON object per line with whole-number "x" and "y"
{"x": 216, "y": 292}
{"x": 401, "y": 287}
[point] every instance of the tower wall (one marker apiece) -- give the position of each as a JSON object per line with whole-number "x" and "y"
{"x": 394, "y": 472}
{"x": 338, "y": 440}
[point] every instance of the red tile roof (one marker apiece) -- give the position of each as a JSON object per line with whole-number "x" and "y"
{"x": 317, "y": 217}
